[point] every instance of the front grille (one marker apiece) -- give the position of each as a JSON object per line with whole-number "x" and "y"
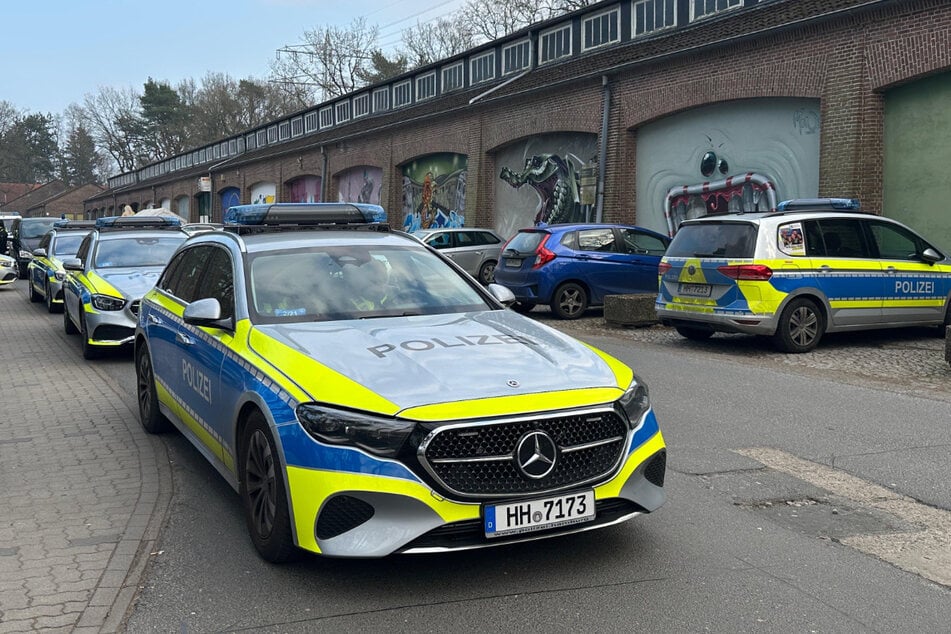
{"x": 479, "y": 459}
{"x": 134, "y": 307}
{"x": 112, "y": 333}
{"x": 341, "y": 514}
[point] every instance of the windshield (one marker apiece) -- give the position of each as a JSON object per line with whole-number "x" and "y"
{"x": 330, "y": 283}
{"x": 66, "y": 246}
{"x": 35, "y": 228}
{"x": 137, "y": 251}
{"x": 714, "y": 240}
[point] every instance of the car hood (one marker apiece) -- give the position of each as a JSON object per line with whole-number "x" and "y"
{"x": 423, "y": 360}
{"x": 132, "y": 282}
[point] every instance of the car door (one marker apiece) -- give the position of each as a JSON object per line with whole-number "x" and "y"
{"x": 601, "y": 263}
{"x": 642, "y": 252}
{"x": 39, "y": 267}
{"x": 845, "y": 270}
{"x": 915, "y": 290}
{"x": 468, "y": 250}
{"x": 72, "y": 288}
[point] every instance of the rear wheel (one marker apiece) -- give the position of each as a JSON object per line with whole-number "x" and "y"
{"x": 487, "y": 272}
{"x": 264, "y": 494}
{"x": 68, "y": 324}
{"x": 570, "y": 301}
{"x": 801, "y": 326}
{"x": 151, "y": 418}
{"x": 694, "y": 334}
{"x": 89, "y": 351}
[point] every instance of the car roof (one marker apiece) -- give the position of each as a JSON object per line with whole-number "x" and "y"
{"x": 780, "y": 216}
{"x": 303, "y": 238}
{"x": 573, "y": 226}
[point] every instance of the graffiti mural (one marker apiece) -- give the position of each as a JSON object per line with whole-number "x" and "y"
{"x": 434, "y": 191}
{"x": 729, "y": 157}
{"x": 263, "y": 193}
{"x": 304, "y": 189}
{"x": 540, "y": 181}
{"x": 360, "y": 185}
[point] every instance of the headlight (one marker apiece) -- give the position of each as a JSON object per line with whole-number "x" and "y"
{"x": 635, "y": 402}
{"x": 107, "y": 302}
{"x": 59, "y": 275}
{"x": 377, "y": 434}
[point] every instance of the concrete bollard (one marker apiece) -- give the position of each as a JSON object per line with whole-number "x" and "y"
{"x": 636, "y": 309}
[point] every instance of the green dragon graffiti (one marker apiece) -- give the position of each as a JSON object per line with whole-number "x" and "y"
{"x": 557, "y": 183}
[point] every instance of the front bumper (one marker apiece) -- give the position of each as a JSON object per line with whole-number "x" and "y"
{"x": 342, "y": 514}
{"x": 110, "y": 328}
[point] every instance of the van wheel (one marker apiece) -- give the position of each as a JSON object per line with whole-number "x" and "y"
{"x": 801, "y": 326}
{"x": 570, "y": 301}
{"x": 694, "y": 334}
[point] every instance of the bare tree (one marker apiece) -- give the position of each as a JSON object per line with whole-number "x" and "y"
{"x": 112, "y": 119}
{"x": 329, "y": 60}
{"x": 492, "y": 19}
{"x": 432, "y": 41}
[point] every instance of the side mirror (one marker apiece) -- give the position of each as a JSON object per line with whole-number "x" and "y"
{"x": 73, "y": 264}
{"x": 931, "y": 256}
{"x": 39, "y": 253}
{"x": 205, "y": 312}
{"x": 501, "y": 293}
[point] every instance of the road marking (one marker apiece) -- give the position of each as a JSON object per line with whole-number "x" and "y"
{"x": 926, "y": 552}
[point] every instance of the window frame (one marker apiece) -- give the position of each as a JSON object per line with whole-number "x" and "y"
{"x": 614, "y": 11}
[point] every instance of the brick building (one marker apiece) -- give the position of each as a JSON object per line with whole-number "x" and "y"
{"x": 641, "y": 111}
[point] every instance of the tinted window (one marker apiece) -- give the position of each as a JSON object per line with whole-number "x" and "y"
{"x": 714, "y": 240}
{"x": 484, "y": 237}
{"x": 896, "y": 243}
{"x": 440, "y": 241}
{"x": 45, "y": 242}
{"x": 183, "y": 280}
{"x": 638, "y": 242}
{"x": 841, "y": 238}
{"x": 83, "y": 251}
{"x": 526, "y": 241}
{"x": 467, "y": 238}
{"x": 218, "y": 281}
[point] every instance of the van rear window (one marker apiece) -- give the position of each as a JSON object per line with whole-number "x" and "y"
{"x": 714, "y": 240}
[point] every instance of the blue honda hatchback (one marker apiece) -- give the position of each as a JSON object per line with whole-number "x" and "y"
{"x": 572, "y": 267}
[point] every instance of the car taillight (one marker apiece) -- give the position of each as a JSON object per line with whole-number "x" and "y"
{"x": 542, "y": 255}
{"x": 663, "y": 267}
{"x": 755, "y": 272}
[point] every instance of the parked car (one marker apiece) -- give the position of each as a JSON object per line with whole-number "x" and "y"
{"x": 572, "y": 267}
{"x": 45, "y": 272}
{"x": 813, "y": 266}
{"x": 8, "y": 270}
{"x": 475, "y": 250}
{"x": 365, "y": 398}
{"x": 117, "y": 262}
{"x": 25, "y": 235}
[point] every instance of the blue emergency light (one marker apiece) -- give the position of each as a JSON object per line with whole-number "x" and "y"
{"x": 137, "y": 222}
{"x": 304, "y": 214}
{"x": 827, "y": 204}
{"x": 74, "y": 224}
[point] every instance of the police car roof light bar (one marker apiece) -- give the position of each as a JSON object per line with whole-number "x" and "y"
{"x": 74, "y": 224}
{"x": 138, "y": 222}
{"x": 820, "y": 204}
{"x": 304, "y": 214}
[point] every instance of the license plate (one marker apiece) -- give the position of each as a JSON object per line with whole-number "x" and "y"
{"x": 536, "y": 515}
{"x": 696, "y": 290}
{"x": 513, "y": 262}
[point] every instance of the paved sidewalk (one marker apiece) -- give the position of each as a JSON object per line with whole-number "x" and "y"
{"x": 83, "y": 489}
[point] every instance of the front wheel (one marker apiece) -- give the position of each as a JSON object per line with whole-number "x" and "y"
{"x": 487, "y": 272}
{"x": 50, "y": 306}
{"x": 149, "y": 415}
{"x": 68, "y": 324}
{"x": 34, "y": 296}
{"x": 801, "y": 326}
{"x": 264, "y": 494}
{"x": 570, "y": 301}
{"x": 89, "y": 351}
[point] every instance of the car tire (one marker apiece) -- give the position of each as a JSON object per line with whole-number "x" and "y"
{"x": 68, "y": 324}
{"x": 487, "y": 272}
{"x": 34, "y": 296}
{"x": 50, "y": 306}
{"x": 89, "y": 351}
{"x": 152, "y": 419}
{"x": 264, "y": 493}
{"x": 801, "y": 326}
{"x": 694, "y": 334}
{"x": 569, "y": 301}
{"x": 523, "y": 307}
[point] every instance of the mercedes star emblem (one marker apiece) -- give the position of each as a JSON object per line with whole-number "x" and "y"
{"x": 536, "y": 454}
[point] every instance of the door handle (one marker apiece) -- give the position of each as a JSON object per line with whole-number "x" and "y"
{"x": 184, "y": 339}
{"x": 155, "y": 320}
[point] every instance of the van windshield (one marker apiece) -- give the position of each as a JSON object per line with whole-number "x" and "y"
{"x": 714, "y": 240}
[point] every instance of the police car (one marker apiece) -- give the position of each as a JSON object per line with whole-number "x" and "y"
{"x": 364, "y": 396}
{"x": 9, "y": 272}
{"x": 117, "y": 261}
{"x": 811, "y": 267}
{"x": 45, "y": 272}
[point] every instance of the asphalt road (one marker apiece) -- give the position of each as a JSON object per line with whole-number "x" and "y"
{"x": 801, "y": 498}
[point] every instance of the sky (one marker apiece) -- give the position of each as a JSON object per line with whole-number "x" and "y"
{"x": 54, "y": 52}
